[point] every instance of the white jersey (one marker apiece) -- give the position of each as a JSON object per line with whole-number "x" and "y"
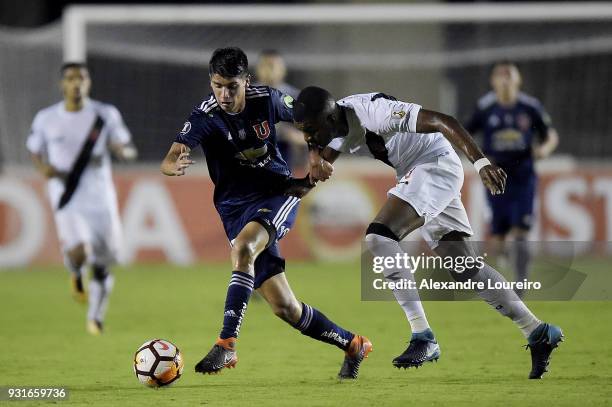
{"x": 58, "y": 135}
{"x": 375, "y": 120}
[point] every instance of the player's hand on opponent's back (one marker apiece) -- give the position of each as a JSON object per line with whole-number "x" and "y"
{"x": 320, "y": 169}
{"x": 494, "y": 178}
{"x": 299, "y": 187}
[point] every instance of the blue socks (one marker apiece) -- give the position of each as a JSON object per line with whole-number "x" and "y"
{"x": 238, "y": 294}
{"x": 312, "y": 322}
{"x": 316, "y": 325}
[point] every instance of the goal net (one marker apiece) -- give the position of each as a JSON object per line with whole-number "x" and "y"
{"x": 151, "y": 61}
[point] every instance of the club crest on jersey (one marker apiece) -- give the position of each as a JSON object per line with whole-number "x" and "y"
{"x": 399, "y": 115}
{"x": 262, "y": 129}
{"x": 523, "y": 121}
{"x": 242, "y": 134}
{"x": 186, "y": 128}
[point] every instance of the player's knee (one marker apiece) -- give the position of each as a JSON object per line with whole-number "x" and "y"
{"x": 519, "y": 234}
{"x": 376, "y": 230}
{"x": 243, "y": 255}
{"x": 77, "y": 255}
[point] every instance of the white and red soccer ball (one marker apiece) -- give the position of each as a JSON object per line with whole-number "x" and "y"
{"x": 157, "y": 363}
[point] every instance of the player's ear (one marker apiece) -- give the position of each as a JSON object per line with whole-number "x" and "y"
{"x": 247, "y": 81}
{"x": 520, "y": 78}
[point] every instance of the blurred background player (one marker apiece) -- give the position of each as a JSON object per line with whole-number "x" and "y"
{"x": 417, "y": 143}
{"x": 235, "y": 127}
{"x": 271, "y": 71}
{"x": 516, "y": 130}
{"x": 70, "y": 143}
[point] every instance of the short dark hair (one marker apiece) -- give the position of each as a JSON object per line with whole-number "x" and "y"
{"x": 502, "y": 62}
{"x": 72, "y": 64}
{"x": 228, "y": 62}
{"x": 313, "y": 103}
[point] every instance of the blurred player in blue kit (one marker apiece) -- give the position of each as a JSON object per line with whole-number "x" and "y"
{"x": 271, "y": 71}
{"x": 516, "y": 130}
{"x": 257, "y": 200}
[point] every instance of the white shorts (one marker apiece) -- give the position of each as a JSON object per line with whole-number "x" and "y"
{"x": 433, "y": 189}
{"x": 99, "y": 229}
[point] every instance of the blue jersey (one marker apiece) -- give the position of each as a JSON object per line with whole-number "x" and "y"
{"x": 241, "y": 153}
{"x": 509, "y": 132}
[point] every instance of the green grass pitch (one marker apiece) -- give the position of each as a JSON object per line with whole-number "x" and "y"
{"x": 483, "y": 363}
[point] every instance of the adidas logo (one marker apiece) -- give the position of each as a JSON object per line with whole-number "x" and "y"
{"x": 335, "y": 336}
{"x": 230, "y": 313}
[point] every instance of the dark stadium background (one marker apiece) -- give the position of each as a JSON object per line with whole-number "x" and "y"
{"x": 568, "y": 74}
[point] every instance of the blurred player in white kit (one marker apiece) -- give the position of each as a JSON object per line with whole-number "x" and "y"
{"x": 70, "y": 143}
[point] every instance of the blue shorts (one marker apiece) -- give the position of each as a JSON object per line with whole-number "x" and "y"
{"x": 513, "y": 208}
{"x": 277, "y": 214}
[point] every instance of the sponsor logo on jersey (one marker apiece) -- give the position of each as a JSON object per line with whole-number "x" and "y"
{"x": 252, "y": 154}
{"x": 262, "y": 130}
{"x": 264, "y": 210}
{"x": 242, "y": 134}
{"x": 399, "y": 114}
{"x": 508, "y": 139}
{"x": 288, "y": 101}
{"x": 186, "y": 128}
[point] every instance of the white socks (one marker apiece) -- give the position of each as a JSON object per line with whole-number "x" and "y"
{"x": 99, "y": 293}
{"x": 409, "y": 300}
{"x": 506, "y": 302}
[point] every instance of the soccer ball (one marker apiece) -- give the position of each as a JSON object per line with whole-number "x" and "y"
{"x": 157, "y": 363}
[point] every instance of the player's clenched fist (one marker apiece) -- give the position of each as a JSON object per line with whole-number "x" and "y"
{"x": 494, "y": 178}
{"x": 320, "y": 169}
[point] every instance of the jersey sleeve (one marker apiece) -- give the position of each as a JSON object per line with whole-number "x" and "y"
{"x": 541, "y": 122}
{"x": 387, "y": 116}
{"x": 193, "y": 131}
{"x": 474, "y": 124}
{"x": 35, "y": 142}
{"x": 337, "y": 144}
{"x": 282, "y": 105}
{"x": 118, "y": 131}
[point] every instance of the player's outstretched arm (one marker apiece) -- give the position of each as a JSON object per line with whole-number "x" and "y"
{"x": 177, "y": 160}
{"x": 492, "y": 176}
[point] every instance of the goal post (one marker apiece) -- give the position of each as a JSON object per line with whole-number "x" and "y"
{"x": 76, "y": 18}
{"x": 437, "y": 54}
